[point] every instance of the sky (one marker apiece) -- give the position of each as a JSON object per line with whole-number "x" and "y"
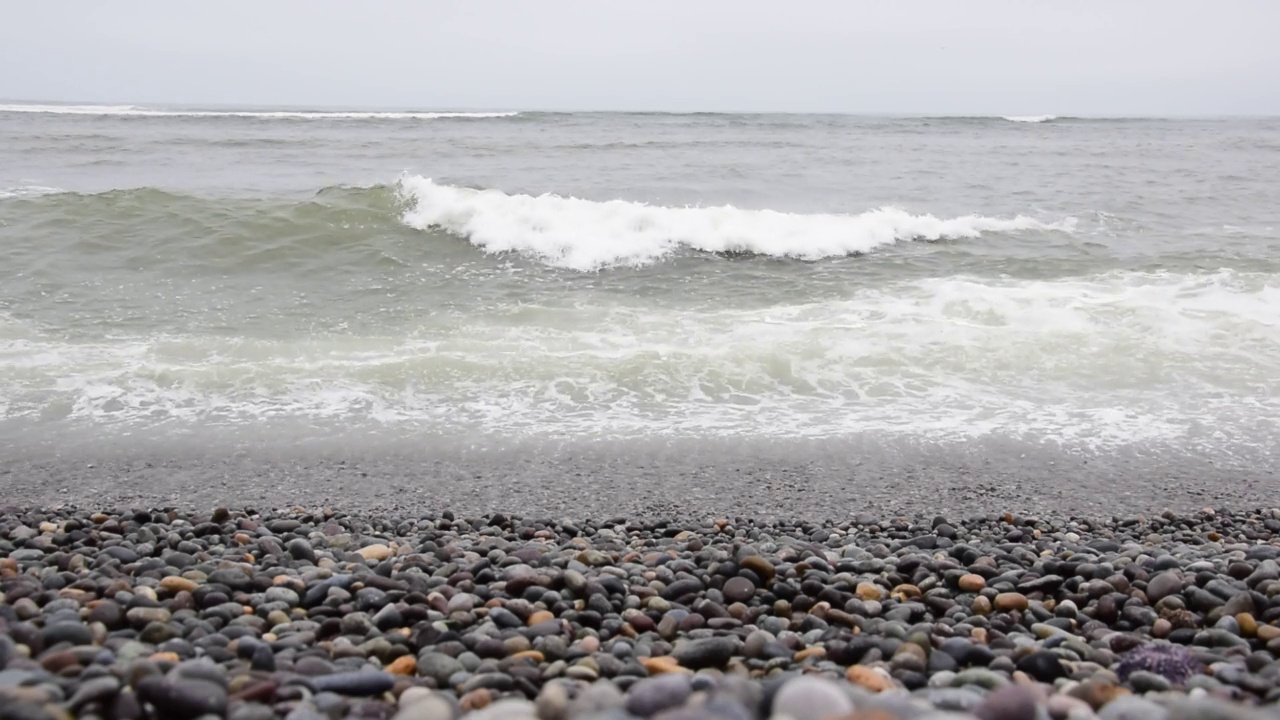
{"x": 1084, "y": 57}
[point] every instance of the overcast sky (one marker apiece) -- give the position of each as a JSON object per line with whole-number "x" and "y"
{"x": 923, "y": 56}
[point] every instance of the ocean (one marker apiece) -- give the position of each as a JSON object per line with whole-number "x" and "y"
{"x": 1020, "y": 290}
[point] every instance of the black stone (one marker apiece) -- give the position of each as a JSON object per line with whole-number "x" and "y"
{"x": 1043, "y": 666}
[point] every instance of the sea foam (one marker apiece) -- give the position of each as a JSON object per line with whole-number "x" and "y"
{"x": 1029, "y": 118}
{"x": 22, "y": 191}
{"x": 140, "y": 111}
{"x": 588, "y": 235}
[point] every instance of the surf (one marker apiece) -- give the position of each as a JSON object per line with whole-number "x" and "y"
{"x": 587, "y": 235}
{"x": 142, "y": 111}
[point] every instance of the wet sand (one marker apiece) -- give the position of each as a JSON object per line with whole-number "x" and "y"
{"x": 811, "y": 479}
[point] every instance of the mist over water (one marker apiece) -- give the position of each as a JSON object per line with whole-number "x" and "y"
{"x": 1102, "y": 285}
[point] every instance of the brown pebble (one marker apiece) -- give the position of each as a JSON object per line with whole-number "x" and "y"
{"x": 1248, "y": 626}
{"x": 869, "y": 678}
{"x": 540, "y": 616}
{"x": 59, "y": 661}
{"x": 759, "y": 566}
{"x": 403, "y": 665}
{"x": 661, "y": 664}
{"x": 981, "y": 605}
{"x": 1161, "y": 629}
{"x": 869, "y": 591}
{"x": 906, "y": 591}
{"x": 377, "y": 551}
{"x": 1010, "y": 601}
{"x": 813, "y": 652}
{"x": 176, "y": 584}
{"x": 1267, "y": 633}
{"x": 476, "y": 699}
{"x": 255, "y": 692}
{"x": 1097, "y": 692}
{"x": 972, "y": 583}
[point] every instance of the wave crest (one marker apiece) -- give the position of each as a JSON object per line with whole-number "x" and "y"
{"x": 1029, "y": 118}
{"x": 588, "y": 235}
{"x": 26, "y": 191}
{"x": 139, "y": 111}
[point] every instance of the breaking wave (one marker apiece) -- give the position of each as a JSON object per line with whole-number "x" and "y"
{"x": 25, "y": 191}
{"x": 140, "y": 111}
{"x": 588, "y": 235}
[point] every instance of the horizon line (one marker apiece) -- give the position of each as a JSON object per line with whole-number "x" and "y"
{"x": 318, "y": 108}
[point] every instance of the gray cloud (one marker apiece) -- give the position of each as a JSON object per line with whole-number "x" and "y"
{"x": 924, "y": 56}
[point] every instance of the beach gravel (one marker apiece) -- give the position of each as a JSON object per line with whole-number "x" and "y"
{"x": 318, "y": 613}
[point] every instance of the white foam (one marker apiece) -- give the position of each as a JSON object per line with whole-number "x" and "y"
{"x": 139, "y": 111}
{"x": 23, "y": 191}
{"x": 1104, "y": 360}
{"x": 588, "y": 235}
{"x": 1029, "y": 118}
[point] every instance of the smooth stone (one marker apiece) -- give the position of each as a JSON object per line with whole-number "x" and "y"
{"x": 811, "y": 697}
{"x": 183, "y": 698}
{"x": 1132, "y": 707}
{"x": 1162, "y": 586}
{"x": 1043, "y": 666}
{"x": 359, "y": 682}
{"x": 1143, "y": 681}
{"x": 251, "y": 711}
{"x": 506, "y": 709}
{"x": 97, "y": 689}
{"x": 429, "y": 706}
{"x": 143, "y": 616}
{"x": 1010, "y": 601}
{"x": 760, "y": 566}
{"x": 738, "y": 589}
{"x": 706, "y": 652}
{"x": 653, "y": 695}
{"x": 981, "y": 677}
{"x": 682, "y": 588}
{"x": 67, "y": 632}
{"x": 949, "y": 698}
{"x": 438, "y": 666}
{"x": 301, "y": 550}
{"x": 553, "y": 701}
{"x": 597, "y": 697}
{"x": 1010, "y": 702}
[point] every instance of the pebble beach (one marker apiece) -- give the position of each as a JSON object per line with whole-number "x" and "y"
{"x": 315, "y": 613}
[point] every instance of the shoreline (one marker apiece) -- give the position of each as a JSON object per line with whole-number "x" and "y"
{"x": 829, "y": 479}
{"x": 251, "y": 614}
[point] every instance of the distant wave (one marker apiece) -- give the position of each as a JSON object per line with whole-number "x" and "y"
{"x": 588, "y": 235}
{"x": 1029, "y": 118}
{"x": 23, "y": 191}
{"x": 139, "y": 111}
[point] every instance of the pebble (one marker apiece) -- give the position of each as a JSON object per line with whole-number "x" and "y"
{"x": 1009, "y": 702}
{"x": 811, "y": 698}
{"x": 321, "y": 614}
{"x": 711, "y": 652}
{"x": 653, "y": 695}
{"x": 1010, "y": 601}
{"x": 1129, "y": 707}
